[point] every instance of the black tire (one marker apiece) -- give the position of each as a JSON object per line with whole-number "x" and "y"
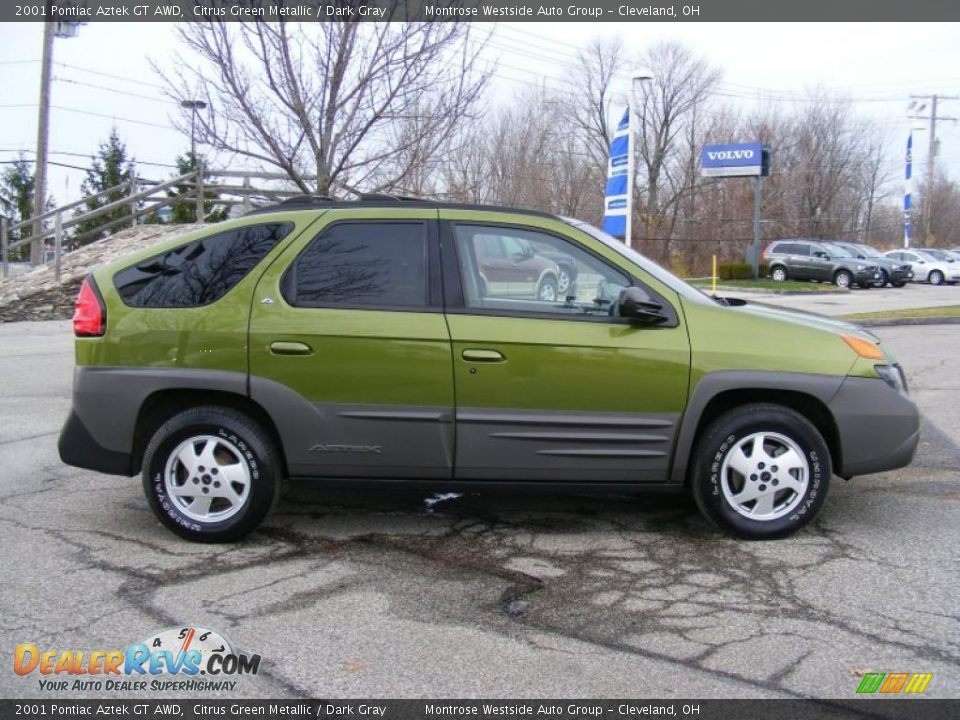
{"x": 547, "y": 290}
{"x": 237, "y": 438}
{"x": 935, "y": 277}
{"x": 884, "y": 279}
{"x": 565, "y": 280}
{"x": 898, "y": 284}
{"x": 779, "y": 273}
{"x": 865, "y": 286}
{"x": 723, "y": 436}
{"x": 842, "y": 278}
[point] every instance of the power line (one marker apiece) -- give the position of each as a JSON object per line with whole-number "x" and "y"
{"x": 126, "y": 93}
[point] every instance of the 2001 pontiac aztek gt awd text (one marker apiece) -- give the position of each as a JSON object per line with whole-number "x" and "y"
{"x": 376, "y": 339}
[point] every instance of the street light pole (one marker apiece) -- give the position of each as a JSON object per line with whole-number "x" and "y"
{"x": 636, "y": 76}
{"x": 193, "y": 106}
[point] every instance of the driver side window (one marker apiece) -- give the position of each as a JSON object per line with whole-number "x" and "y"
{"x": 535, "y": 273}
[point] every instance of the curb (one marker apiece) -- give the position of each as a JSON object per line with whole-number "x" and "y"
{"x": 893, "y": 322}
{"x": 767, "y": 291}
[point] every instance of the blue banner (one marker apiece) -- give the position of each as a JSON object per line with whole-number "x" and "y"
{"x": 736, "y": 159}
{"x": 617, "y": 192}
{"x": 908, "y": 173}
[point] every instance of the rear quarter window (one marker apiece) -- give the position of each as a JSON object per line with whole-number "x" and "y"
{"x": 200, "y": 272}
{"x": 357, "y": 264}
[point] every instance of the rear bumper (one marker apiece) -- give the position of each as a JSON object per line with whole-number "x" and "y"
{"x": 78, "y": 447}
{"x": 878, "y": 428}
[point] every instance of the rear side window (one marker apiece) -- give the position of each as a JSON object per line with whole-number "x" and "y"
{"x": 200, "y": 272}
{"x": 361, "y": 264}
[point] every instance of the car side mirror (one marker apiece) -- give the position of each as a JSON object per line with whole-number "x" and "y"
{"x": 821, "y": 254}
{"x": 635, "y": 304}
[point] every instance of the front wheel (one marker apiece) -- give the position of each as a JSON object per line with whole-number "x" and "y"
{"x": 842, "y": 279}
{"x": 884, "y": 279}
{"x": 547, "y": 290}
{"x": 936, "y": 277}
{"x": 761, "y": 471}
{"x": 210, "y": 473}
{"x": 899, "y": 284}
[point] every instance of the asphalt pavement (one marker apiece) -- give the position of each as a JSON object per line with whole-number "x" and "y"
{"x": 396, "y": 594}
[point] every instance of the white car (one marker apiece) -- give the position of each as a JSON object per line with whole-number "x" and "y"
{"x": 928, "y": 267}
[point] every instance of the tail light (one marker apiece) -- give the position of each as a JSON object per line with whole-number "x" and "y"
{"x": 89, "y": 313}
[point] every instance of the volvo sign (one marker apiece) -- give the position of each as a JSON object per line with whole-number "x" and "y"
{"x": 734, "y": 160}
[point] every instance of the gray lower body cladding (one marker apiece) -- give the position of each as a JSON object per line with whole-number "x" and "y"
{"x": 878, "y": 427}
{"x": 99, "y": 432}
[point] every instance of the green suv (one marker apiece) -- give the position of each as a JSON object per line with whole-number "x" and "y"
{"x": 328, "y": 339}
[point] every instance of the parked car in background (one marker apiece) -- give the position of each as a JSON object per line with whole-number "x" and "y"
{"x": 336, "y": 340}
{"x": 928, "y": 267}
{"x": 802, "y": 259}
{"x": 894, "y": 272}
{"x": 511, "y": 266}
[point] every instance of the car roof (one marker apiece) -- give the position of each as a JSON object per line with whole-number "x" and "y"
{"x": 380, "y": 200}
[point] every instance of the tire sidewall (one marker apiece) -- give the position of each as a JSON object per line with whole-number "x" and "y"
{"x": 255, "y": 452}
{"x": 843, "y": 274}
{"x": 936, "y": 277}
{"x": 724, "y": 436}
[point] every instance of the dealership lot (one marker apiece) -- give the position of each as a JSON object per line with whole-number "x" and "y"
{"x": 397, "y": 593}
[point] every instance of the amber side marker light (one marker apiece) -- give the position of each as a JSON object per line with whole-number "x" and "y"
{"x": 863, "y": 348}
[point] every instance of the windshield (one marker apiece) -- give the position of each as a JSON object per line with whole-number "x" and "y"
{"x": 837, "y": 251}
{"x": 869, "y": 251}
{"x": 660, "y": 273}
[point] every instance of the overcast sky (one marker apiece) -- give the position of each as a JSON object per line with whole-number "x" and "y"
{"x": 105, "y": 73}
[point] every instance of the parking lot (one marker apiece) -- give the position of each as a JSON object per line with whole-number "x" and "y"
{"x": 396, "y": 594}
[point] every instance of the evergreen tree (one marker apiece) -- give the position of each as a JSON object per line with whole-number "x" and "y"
{"x": 110, "y": 167}
{"x": 184, "y": 211}
{"x": 16, "y": 198}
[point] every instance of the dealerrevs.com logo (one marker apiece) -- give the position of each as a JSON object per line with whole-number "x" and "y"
{"x": 186, "y": 659}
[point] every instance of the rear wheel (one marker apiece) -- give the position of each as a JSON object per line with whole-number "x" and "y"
{"x": 761, "y": 471}
{"x": 935, "y": 277}
{"x": 210, "y": 473}
{"x": 779, "y": 273}
{"x": 842, "y": 278}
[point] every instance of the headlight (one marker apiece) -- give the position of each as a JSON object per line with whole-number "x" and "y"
{"x": 893, "y": 376}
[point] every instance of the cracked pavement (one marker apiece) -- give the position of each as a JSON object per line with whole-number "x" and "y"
{"x": 349, "y": 593}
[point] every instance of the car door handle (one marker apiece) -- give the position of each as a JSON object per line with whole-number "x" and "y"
{"x": 290, "y": 348}
{"x": 483, "y": 356}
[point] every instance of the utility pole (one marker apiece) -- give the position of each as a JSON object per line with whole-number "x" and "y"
{"x": 931, "y": 157}
{"x": 51, "y": 30}
{"x": 43, "y": 133}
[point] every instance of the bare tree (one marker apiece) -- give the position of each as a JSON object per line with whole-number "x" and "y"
{"x": 333, "y": 105}
{"x": 594, "y": 76}
{"x": 667, "y": 104}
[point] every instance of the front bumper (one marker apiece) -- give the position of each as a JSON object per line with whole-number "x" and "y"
{"x": 867, "y": 276}
{"x": 878, "y": 427}
{"x": 900, "y": 275}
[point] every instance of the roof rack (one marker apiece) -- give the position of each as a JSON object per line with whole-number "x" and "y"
{"x": 381, "y": 197}
{"x": 325, "y": 202}
{"x": 302, "y": 199}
